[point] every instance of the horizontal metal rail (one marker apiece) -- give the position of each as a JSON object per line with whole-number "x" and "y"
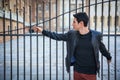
{"x": 41, "y": 34}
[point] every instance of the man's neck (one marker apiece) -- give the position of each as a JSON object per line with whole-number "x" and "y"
{"x": 83, "y": 30}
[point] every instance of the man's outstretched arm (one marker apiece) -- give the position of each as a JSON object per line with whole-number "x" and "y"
{"x": 50, "y": 34}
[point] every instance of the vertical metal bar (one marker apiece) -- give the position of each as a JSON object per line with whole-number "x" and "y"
{"x": 69, "y": 12}
{"x": 11, "y": 43}
{"x": 115, "y": 55}
{"x": 50, "y": 38}
{"x": 95, "y": 14}
{"x": 82, "y": 5}
{"x": 43, "y": 16}
{"x": 89, "y": 14}
{"x": 109, "y": 36}
{"x": 37, "y": 39}
{"x": 76, "y": 6}
{"x": 17, "y": 46}
{"x": 56, "y": 41}
{"x": 24, "y": 39}
{"x": 17, "y": 41}
{"x": 102, "y": 22}
{"x": 63, "y": 42}
{"x": 69, "y": 29}
{"x": 8, "y": 29}
{"x": 4, "y": 41}
{"x": 3, "y": 3}
{"x": 30, "y": 44}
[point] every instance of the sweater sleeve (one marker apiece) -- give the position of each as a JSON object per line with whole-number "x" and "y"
{"x": 103, "y": 49}
{"x": 55, "y": 36}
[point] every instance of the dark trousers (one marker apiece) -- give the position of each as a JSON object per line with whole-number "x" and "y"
{"x": 81, "y": 76}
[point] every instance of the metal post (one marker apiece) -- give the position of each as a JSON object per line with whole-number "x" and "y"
{"x": 10, "y": 44}
{"x": 37, "y": 69}
{"x": 102, "y": 22}
{"x": 76, "y": 6}
{"x": 63, "y": 42}
{"x": 4, "y": 41}
{"x": 30, "y": 44}
{"x": 109, "y": 36}
{"x": 82, "y": 5}
{"x": 43, "y": 16}
{"x": 56, "y": 41}
{"x": 50, "y": 38}
{"x": 95, "y": 14}
{"x": 24, "y": 41}
{"x": 69, "y": 29}
{"x": 17, "y": 45}
{"x": 115, "y": 42}
{"x": 89, "y": 13}
{"x": 8, "y": 29}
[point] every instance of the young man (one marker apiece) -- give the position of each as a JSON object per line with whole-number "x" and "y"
{"x": 83, "y": 47}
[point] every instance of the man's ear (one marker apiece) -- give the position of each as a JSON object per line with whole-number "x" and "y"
{"x": 81, "y": 23}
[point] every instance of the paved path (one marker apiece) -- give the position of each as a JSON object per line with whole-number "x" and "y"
{"x": 59, "y": 59}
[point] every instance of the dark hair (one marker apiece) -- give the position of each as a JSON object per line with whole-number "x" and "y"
{"x": 82, "y": 16}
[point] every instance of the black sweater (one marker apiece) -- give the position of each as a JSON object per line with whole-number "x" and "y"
{"x": 84, "y": 55}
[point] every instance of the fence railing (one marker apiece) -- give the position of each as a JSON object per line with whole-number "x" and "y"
{"x": 31, "y": 56}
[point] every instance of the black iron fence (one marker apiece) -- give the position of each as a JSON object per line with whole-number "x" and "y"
{"x": 28, "y": 56}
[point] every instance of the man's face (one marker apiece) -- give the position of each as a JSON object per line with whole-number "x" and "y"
{"x": 75, "y": 24}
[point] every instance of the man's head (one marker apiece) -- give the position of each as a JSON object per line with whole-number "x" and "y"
{"x": 82, "y": 16}
{"x": 80, "y": 19}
